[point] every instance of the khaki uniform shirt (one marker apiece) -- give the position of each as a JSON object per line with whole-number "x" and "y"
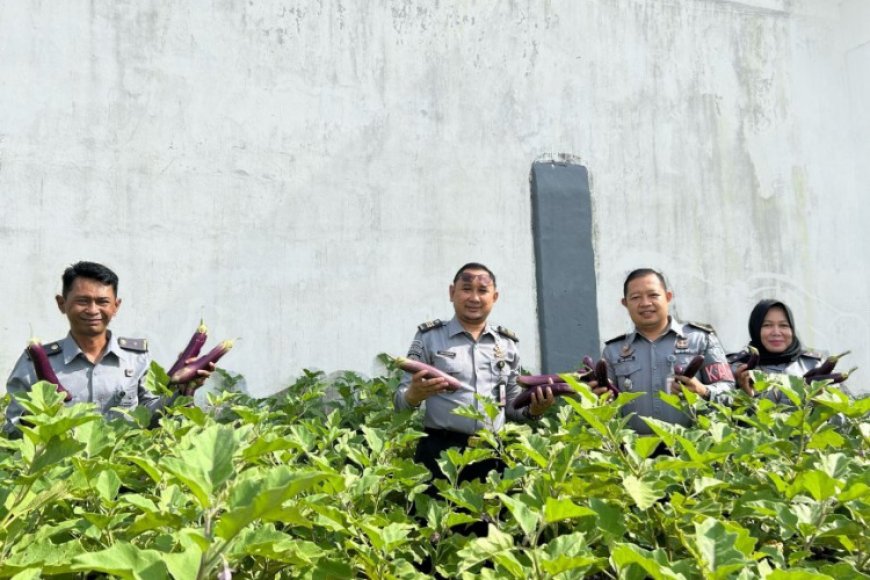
{"x": 116, "y": 381}
{"x": 488, "y": 367}
{"x": 638, "y": 365}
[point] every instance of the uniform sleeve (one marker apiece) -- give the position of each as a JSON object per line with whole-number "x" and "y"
{"x": 154, "y": 402}
{"x": 717, "y": 373}
{"x": 19, "y": 381}
{"x": 417, "y": 351}
{"x": 512, "y": 391}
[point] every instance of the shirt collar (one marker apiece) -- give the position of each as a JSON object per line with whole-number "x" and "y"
{"x": 455, "y": 327}
{"x": 673, "y": 326}
{"x": 71, "y": 349}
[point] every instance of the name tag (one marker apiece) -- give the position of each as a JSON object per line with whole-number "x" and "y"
{"x": 447, "y": 353}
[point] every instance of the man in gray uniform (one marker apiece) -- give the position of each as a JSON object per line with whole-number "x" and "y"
{"x": 91, "y": 362}
{"x": 484, "y": 359}
{"x": 643, "y": 360}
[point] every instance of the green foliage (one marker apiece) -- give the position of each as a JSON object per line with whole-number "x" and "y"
{"x": 319, "y": 482}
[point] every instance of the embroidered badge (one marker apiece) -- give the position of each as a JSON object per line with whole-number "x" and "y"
{"x": 681, "y": 343}
{"x": 626, "y": 350}
{"x": 498, "y": 351}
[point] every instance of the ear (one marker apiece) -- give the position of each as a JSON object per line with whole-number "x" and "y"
{"x": 451, "y": 292}
{"x": 669, "y": 295}
{"x": 60, "y": 303}
{"x": 117, "y": 305}
{"x": 624, "y": 303}
{"x": 495, "y": 297}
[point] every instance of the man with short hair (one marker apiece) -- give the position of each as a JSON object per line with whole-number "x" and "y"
{"x": 483, "y": 357}
{"x": 644, "y": 360}
{"x": 91, "y": 362}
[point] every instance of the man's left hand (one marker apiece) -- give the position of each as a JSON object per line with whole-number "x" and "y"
{"x": 693, "y": 385}
{"x": 188, "y": 389}
{"x": 542, "y": 399}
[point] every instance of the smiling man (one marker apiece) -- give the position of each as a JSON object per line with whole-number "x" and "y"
{"x": 644, "y": 360}
{"x": 483, "y": 357}
{"x": 91, "y": 362}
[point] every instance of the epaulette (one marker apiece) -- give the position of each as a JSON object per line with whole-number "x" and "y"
{"x": 134, "y": 344}
{"x": 701, "y": 326}
{"x": 813, "y": 354}
{"x": 507, "y": 333}
{"x": 427, "y": 326}
{"x": 616, "y": 338}
{"x": 50, "y": 348}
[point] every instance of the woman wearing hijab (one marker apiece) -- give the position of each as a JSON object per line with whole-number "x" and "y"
{"x": 771, "y": 331}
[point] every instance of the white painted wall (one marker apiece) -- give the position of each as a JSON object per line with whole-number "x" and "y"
{"x": 308, "y": 175}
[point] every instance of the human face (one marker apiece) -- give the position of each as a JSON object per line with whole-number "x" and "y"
{"x": 776, "y": 331}
{"x": 90, "y": 306}
{"x": 647, "y": 303}
{"x": 473, "y": 296}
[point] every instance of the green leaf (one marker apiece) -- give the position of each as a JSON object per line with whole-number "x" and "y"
{"x": 205, "y": 462}
{"x": 818, "y": 483}
{"x": 123, "y": 560}
{"x": 482, "y": 549}
{"x": 55, "y": 452}
{"x": 184, "y": 565}
{"x": 523, "y": 514}
{"x": 108, "y": 484}
{"x": 556, "y": 510}
{"x": 716, "y": 544}
{"x": 611, "y": 519}
{"x": 643, "y": 493}
{"x": 264, "y": 497}
{"x": 624, "y": 556}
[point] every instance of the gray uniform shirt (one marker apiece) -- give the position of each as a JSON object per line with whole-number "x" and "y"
{"x": 116, "y": 381}
{"x": 639, "y": 365}
{"x": 486, "y": 367}
{"x": 797, "y": 368}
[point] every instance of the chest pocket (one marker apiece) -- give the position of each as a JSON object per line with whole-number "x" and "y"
{"x": 448, "y": 361}
{"x": 502, "y": 367}
{"x": 626, "y": 374}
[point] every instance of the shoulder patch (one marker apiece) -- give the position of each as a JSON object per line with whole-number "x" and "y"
{"x": 507, "y": 333}
{"x": 427, "y": 326}
{"x": 701, "y": 326}
{"x": 134, "y": 344}
{"x": 51, "y": 348}
{"x": 616, "y": 338}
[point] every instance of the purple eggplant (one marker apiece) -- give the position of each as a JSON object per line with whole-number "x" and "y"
{"x": 44, "y": 371}
{"x": 414, "y": 366}
{"x": 692, "y": 368}
{"x": 835, "y": 378}
{"x": 558, "y": 389}
{"x": 194, "y": 346}
{"x": 754, "y": 357}
{"x": 189, "y": 372}
{"x": 826, "y": 368}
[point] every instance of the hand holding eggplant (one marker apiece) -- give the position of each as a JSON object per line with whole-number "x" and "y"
{"x": 424, "y": 385}
{"x": 686, "y": 376}
{"x": 542, "y": 399}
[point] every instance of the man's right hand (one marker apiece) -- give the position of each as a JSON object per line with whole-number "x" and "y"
{"x": 598, "y": 391}
{"x": 422, "y": 388}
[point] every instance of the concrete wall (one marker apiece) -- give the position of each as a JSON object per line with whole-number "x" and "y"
{"x": 308, "y": 175}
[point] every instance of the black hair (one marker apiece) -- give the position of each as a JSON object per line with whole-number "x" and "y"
{"x": 90, "y": 270}
{"x": 640, "y": 273}
{"x": 474, "y": 266}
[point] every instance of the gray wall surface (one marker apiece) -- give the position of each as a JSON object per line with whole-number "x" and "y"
{"x": 308, "y": 175}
